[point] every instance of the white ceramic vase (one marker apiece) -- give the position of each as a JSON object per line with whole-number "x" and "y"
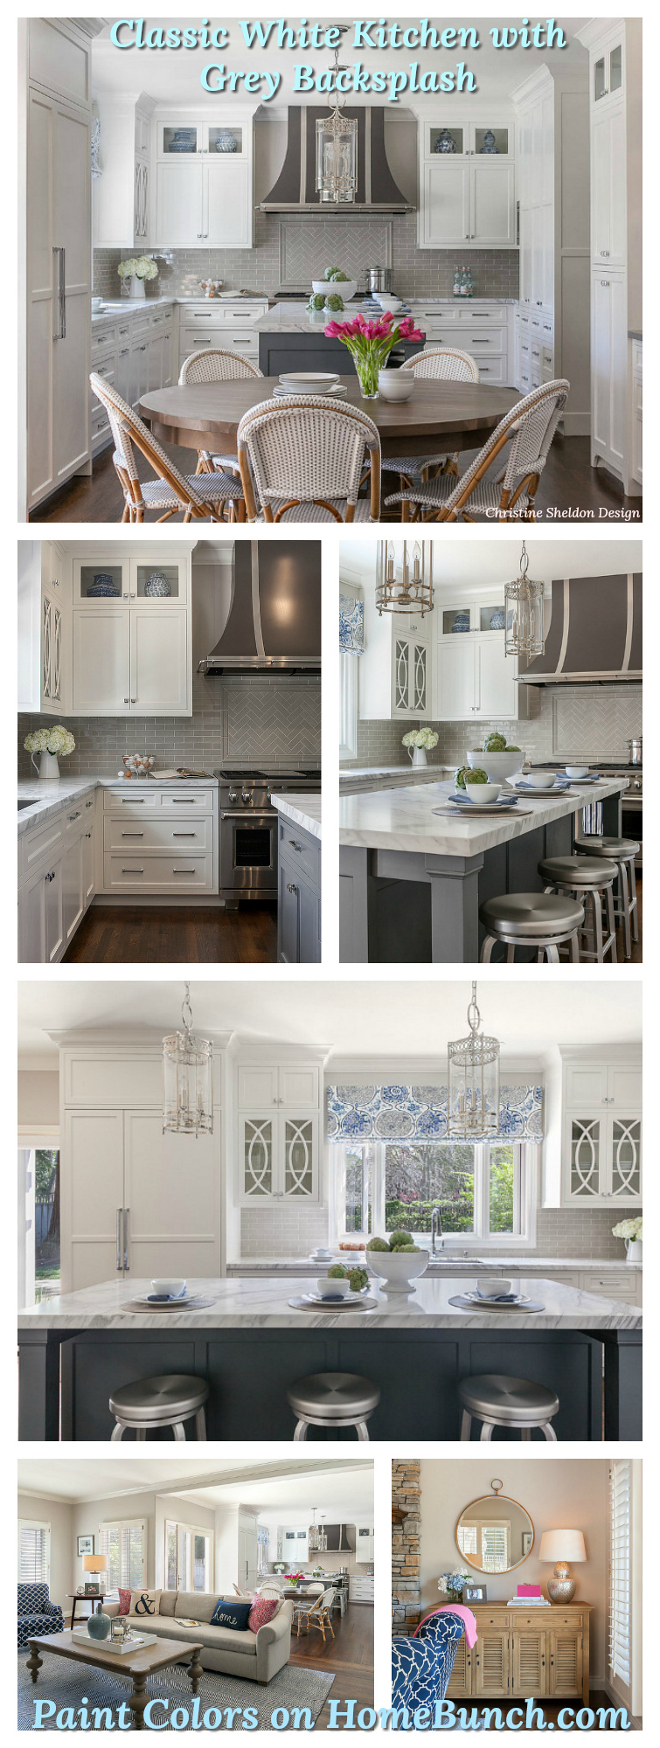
{"x": 417, "y": 755}
{"x": 137, "y": 287}
{"x": 49, "y": 769}
{"x": 634, "y": 1248}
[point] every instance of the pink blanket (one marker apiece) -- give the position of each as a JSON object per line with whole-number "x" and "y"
{"x": 468, "y": 1618}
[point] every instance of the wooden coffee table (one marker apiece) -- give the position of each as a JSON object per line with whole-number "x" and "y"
{"x": 138, "y": 1665}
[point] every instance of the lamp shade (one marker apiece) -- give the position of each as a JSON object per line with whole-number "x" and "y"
{"x": 562, "y": 1544}
{"x": 94, "y": 1562}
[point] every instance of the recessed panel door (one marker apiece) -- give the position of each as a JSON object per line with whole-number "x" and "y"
{"x": 92, "y": 1198}
{"x": 171, "y": 1192}
{"x": 158, "y": 662}
{"x": 100, "y": 662}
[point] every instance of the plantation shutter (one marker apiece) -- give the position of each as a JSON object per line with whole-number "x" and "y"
{"x": 494, "y": 1547}
{"x": 620, "y": 1571}
{"x": 33, "y": 1552}
{"x": 125, "y": 1548}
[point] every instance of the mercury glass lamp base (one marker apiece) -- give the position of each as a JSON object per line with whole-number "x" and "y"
{"x": 561, "y": 1589}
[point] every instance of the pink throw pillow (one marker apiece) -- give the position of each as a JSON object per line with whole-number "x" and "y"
{"x": 262, "y": 1610}
{"x": 124, "y": 1601}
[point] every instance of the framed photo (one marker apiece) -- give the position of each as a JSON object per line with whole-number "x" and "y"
{"x": 85, "y": 1545}
{"x": 93, "y": 1588}
{"x": 474, "y": 1593}
{"x": 527, "y": 1541}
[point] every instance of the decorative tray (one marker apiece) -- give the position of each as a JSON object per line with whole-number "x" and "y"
{"x": 139, "y": 1642}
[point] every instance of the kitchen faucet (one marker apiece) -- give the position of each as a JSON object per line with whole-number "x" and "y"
{"x": 436, "y": 1230}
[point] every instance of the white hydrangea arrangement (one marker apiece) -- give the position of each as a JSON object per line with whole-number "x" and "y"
{"x": 138, "y": 267}
{"x": 629, "y": 1228}
{"x": 421, "y": 737}
{"x": 56, "y": 740}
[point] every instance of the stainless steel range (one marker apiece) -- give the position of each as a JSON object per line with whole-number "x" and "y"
{"x": 248, "y": 829}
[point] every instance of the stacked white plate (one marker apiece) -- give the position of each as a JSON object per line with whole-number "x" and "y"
{"x": 308, "y": 382}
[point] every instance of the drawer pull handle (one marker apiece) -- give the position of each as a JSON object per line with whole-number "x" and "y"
{"x": 184, "y": 870}
{"x": 293, "y": 845}
{"x": 137, "y": 802}
{"x": 184, "y": 834}
{"x": 183, "y": 800}
{"x": 132, "y": 834}
{"x": 132, "y": 870}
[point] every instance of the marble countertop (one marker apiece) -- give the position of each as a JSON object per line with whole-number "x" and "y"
{"x": 255, "y": 1304}
{"x": 302, "y": 810}
{"x": 403, "y": 819}
{"x": 280, "y": 1265}
{"x": 295, "y": 318}
{"x": 127, "y": 306}
{"x": 47, "y": 798}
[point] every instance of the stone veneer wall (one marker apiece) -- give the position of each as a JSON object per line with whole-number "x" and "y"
{"x": 406, "y": 1584}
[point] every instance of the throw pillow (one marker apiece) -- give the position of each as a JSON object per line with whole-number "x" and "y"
{"x": 145, "y": 1602}
{"x": 124, "y": 1601}
{"x": 231, "y": 1614}
{"x": 263, "y": 1609}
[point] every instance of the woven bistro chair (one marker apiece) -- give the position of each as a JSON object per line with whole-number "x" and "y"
{"x": 317, "y": 1612}
{"x": 301, "y": 459}
{"x": 529, "y": 427}
{"x": 216, "y": 365}
{"x": 445, "y": 364}
{"x": 198, "y": 496}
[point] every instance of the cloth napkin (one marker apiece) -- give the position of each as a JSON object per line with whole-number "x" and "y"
{"x": 468, "y": 1618}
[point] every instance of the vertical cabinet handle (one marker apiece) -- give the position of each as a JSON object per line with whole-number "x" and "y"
{"x": 126, "y": 1213}
{"x": 118, "y": 1241}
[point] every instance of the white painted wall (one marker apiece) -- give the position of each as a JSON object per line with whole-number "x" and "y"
{"x": 60, "y": 1516}
{"x": 38, "y": 1099}
{"x": 558, "y": 1494}
{"x": 87, "y": 1519}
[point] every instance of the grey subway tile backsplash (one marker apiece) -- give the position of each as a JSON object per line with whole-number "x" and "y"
{"x": 589, "y": 721}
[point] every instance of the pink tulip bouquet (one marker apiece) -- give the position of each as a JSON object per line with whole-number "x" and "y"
{"x": 370, "y": 344}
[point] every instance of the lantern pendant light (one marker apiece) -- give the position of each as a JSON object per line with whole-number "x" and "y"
{"x": 336, "y": 150}
{"x": 405, "y": 577}
{"x": 473, "y": 1106}
{"x": 322, "y": 1537}
{"x": 523, "y": 614}
{"x": 187, "y": 1079}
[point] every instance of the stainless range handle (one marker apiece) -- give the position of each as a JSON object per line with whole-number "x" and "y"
{"x": 118, "y": 1240}
{"x": 249, "y": 815}
{"x": 126, "y": 1261}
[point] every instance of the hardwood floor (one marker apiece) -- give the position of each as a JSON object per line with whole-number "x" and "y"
{"x": 349, "y": 1657}
{"x": 112, "y": 934}
{"x": 552, "y": 1708}
{"x": 569, "y": 484}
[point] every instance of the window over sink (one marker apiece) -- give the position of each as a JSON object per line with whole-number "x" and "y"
{"x": 484, "y": 1193}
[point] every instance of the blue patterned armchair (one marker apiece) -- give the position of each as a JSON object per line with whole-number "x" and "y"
{"x": 421, "y": 1667}
{"x": 37, "y": 1615}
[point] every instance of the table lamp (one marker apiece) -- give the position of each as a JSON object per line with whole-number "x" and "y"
{"x": 95, "y": 1563}
{"x": 562, "y": 1545}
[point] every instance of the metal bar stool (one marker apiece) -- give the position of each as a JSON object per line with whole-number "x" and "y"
{"x": 512, "y": 1402}
{"x": 531, "y": 919}
{"x": 622, "y": 851}
{"x": 333, "y": 1399}
{"x": 587, "y": 877}
{"x": 154, "y": 1402}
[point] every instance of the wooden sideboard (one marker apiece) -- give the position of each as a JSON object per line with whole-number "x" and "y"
{"x": 525, "y": 1653}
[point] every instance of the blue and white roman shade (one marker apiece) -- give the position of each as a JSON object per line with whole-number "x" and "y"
{"x": 419, "y": 1113}
{"x": 351, "y": 625}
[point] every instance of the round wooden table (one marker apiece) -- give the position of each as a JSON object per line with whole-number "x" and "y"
{"x": 439, "y": 418}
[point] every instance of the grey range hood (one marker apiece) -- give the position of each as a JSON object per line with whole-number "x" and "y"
{"x": 295, "y": 188}
{"x": 274, "y": 620}
{"x": 595, "y": 633}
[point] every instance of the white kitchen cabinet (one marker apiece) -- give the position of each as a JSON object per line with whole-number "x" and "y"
{"x": 130, "y": 576}
{"x": 410, "y": 677}
{"x": 44, "y": 628}
{"x": 51, "y": 894}
{"x": 464, "y": 203}
{"x": 89, "y": 860}
{"x": 203, "y": 198}
{"x": 475, "y": 680}
{"x": 602, "y": 1133}
{"x": 131, "y": 661}
{"x": 73, "y": 903}
{"x": 364, "y": 1543}
{"x": 596, "y": 1084}
{"x": 271, "y": 1086}
{"x": 608, "y": 195}
{"x": 100, "y": 662}
{"x": 395, "y": 670}
{"x": 40, "y": 927}
{"x": 292, "y": 1545}
{"x": 159, "y": 663}
{"x": 134, "y": 353}
{"x": 120, "y": 195}
{"x": 278, "y": 1158}
{"x": 159, "y": 844}
{"x": 361, "y": 1588}
{"x": 609, "y": 342}
{"x": 58, "y": 294}
{"x": 637, "y": 409}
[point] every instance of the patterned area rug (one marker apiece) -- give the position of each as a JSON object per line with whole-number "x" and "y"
{"x": 75, "y": 1690}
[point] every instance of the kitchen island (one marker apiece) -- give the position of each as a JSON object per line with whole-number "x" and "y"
{"x": 250, "y": 1344}
{"x": 298, "y": 879}
{"x": 290, "y": 338}
{"x": 411, "y": 880}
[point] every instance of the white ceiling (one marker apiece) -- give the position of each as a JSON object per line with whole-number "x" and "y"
{"x": 175, "y": 74}
{"x": 331, "y": 1484}
{"x": 350, "y": 1018}
{"x": 465, "y": 563}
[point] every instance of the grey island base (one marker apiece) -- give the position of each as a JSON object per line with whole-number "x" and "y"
{"x": 411, "y": 880}
{"x": 75, "y": 1350}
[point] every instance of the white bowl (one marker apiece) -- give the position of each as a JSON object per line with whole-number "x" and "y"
{"x": 309, "y": 381}
{"x": 326, "y": 287}
{"x": 395, "y": 1269}
{"x": 396, "y": 385}
{"x": 388, "y": 302}
{"x": 576, "y": 770}
{"x": 539, "y": 779}
{"x": 497, "y": 765}
{"x": 321, "y": 1254}
{"x": 333, "y": 1289}
{"x": 175, "y": 1288}
{"x": 482, "y": 793}
{"x": 490, "y": 1287}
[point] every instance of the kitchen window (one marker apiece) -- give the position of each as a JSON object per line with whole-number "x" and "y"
{"x": 348, "y": 705}
{"x": 484, "y": 1192}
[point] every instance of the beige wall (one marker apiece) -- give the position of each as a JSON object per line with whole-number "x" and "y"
{"x": 88, "y": 1518}
{"x": 62, "y": 1543}
{"x": 38, "y": 1099}
{"x": 558, "y": 1494}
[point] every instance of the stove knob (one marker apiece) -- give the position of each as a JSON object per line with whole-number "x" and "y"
{"x": 233, "y": 795}
{"x": 245, "y": 797}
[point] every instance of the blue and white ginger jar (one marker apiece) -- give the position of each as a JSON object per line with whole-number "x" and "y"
{"x": 497, "y": 619}
{"x": 226, "y": 141}
{"x": 157, "y": 586}
{"x": 102, "y": 586}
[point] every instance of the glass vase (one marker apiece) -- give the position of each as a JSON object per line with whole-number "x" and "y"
{"x": 367, "y": 367}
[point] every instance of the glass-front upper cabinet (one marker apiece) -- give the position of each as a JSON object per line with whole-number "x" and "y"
{"x": 457, "y": 621}
{"x": 158, "y": 581}
{"x": 194, "y": 138}
{"x": 487, "y": 139}
{"x": 608, "y": 73}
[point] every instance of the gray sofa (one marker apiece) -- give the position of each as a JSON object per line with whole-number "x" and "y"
{"x": 254, "y": 1656}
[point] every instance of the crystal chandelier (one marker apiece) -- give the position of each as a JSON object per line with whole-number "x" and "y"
{"x": 473, "y": 1106}
{"x": 336, "y": 149}
{"x": 187, "y": 1079}
{"x": 523, "y": 614}
{"x": 405, "y": 577}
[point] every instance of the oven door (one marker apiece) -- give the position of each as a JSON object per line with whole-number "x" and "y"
{"x": 631, "y": 808}
{"x": 248, "y": 854}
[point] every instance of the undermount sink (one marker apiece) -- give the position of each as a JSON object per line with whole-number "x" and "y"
{"x": 470, "y": 1262}
{"x": 23, "y": 804}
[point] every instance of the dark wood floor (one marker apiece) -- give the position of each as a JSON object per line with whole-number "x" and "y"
{"x": 569, "y": 484}
{"x": 112, "y": 934}
{"x": 551, "y": 1710}
{"x": 349, "y": 1657}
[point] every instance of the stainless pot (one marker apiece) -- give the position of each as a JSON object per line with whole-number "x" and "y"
{"x": 635, "y": 751}
{"x": 379, "y": 279}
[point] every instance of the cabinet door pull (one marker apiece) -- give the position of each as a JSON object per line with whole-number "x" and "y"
{"x": 294, "y": 846}
{"x": 126, "y": 1261}
{"x": 290, "y": 887}
{"x": 73, "y": 816}
{"x": 118, "y": 1240}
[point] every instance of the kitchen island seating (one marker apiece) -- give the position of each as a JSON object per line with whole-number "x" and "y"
{"x": 333, "y": 1400}
{"x": 586, "y": 877}
{"x": 301, "y": 459}
{"x": 199, "y": 496}
{"x": 447, "y": 364}
{"x": 513, "y": 1403}
{"x": 624, "y": 852}
{"x": 152, "y": 1403}
{"x": 530, "y": 427}
{"x": 531, "y": 919}
{"x": 217, "y": 364}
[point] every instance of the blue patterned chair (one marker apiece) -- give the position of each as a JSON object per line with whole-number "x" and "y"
{"x": 37, "y": 1615}
{"x": 421, "y": 1667}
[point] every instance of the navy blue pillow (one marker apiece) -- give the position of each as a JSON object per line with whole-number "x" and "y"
{"x": 231, "y": 1614}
